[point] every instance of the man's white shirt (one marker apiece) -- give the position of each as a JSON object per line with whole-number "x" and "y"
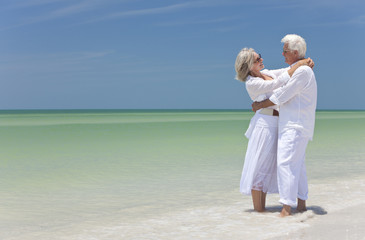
{"x": 297, "y": 100}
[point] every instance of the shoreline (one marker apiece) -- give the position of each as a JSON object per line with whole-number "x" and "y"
{"x": 346, "y": 224}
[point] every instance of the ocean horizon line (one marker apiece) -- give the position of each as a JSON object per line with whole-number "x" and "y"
{"x": 120, "y": 110}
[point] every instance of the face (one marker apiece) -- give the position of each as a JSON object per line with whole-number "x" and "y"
{"x": 290, "y": 56}
{"x": 258, "y": 63}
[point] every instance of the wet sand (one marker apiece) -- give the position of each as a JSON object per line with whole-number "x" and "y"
{"x": 345, "y": 224}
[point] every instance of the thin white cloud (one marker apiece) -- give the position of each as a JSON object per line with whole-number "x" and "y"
{"x": 164, "y": 9}
{"x": 59, "y": 13}
{"x": 69, "y": 61}
{"x": 31, "y": 3}
{"x": 360, "y": 20}
{"x": 94, "y": 62}
{"x": 310, "y": 4}
{"x": 74, "y": 9}
{"x": 336, "y": 3}
{"x": 141, "y": 12}
{"x": 90, "y": 5}
{"x": 229, "y": 28}
{"x": 356, "y": 21}
{"x": 199, "y": 21}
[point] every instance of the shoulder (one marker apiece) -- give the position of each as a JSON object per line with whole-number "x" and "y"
{"x": 251, "y": 79}
{"x": 268, "y": 72}
{"x": 248, "y": 79}
{"x": 265, "y": 71}
{"x": 252, "y": 82}
{"x": 306, "y": 68}
{"x": 304, "y": 71}
{"x": 276, "y": 72}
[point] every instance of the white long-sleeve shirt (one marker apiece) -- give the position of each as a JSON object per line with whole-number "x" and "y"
{"x": 297, "y": 100}
{"x": 259, "y": 89}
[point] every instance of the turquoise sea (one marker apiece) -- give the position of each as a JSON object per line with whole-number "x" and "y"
{"x": 170, "y": 174}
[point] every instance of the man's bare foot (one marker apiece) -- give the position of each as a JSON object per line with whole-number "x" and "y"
{"x": 286, "y": 211}
{"x": 301, "y": 205}
{"x": 301, "y": 210}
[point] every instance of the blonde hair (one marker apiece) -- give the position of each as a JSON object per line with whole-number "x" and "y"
{"x": 244, "y": 62}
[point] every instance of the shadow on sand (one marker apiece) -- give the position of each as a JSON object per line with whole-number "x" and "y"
{"x": 277, "y": 209}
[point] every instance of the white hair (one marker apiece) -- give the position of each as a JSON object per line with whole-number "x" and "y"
{"x": 244, "y": 62}
{"x": 295, "y": 43}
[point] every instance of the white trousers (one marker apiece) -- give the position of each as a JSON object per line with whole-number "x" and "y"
{"x": 292, "y": 176}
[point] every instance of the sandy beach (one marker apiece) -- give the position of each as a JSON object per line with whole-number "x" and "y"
{"x": 346, "y": 224}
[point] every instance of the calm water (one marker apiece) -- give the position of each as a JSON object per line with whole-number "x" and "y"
{"x": 157, "y": 174}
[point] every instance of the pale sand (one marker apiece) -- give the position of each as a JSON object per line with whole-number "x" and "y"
{"x": 346, "y": 224}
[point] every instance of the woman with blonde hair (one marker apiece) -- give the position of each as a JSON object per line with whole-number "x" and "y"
{"x": 259, "y": 175}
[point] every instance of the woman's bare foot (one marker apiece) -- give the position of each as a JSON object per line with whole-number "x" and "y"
{"x": 258, "y": 198}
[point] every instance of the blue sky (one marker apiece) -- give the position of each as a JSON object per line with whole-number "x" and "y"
{"x": 150, "y": 54}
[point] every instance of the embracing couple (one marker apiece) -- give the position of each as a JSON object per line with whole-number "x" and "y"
{"x": 285, "y": 104}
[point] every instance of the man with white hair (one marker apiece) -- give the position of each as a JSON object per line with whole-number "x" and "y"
{"x": 297, "y": 100}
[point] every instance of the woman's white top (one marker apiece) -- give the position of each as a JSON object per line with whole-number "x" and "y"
{"x": 259, "y": 89}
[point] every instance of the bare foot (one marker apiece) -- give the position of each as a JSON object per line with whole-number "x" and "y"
{"x": 302, "y": 209}
{"x": 301, "y": 205}
{"x": 258, "y": 198}
{"x": 260, "y": 210}
{"x": 286, "y": 211}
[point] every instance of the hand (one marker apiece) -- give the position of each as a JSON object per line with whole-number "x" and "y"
{"x": 256, "y": 106}
{"x": 307, "y": 61}
{"x": 310, "y": 62}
